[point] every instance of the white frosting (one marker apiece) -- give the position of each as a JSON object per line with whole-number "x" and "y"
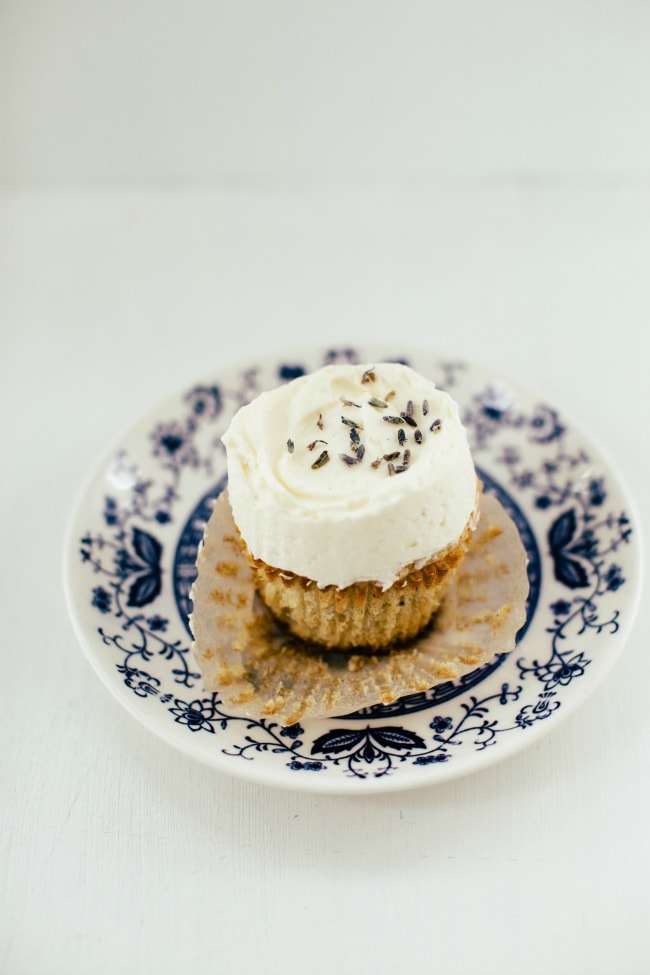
{"x": 343, "y": 522}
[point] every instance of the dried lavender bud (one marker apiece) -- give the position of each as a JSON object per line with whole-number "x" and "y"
{"x": 435, "y": 426}
{"x": 393, "y": 419}
{"x": 360, "y": 452}
{"x": 408, "y": 419}
{"x": 417, "y": 436}
{"x": 348, "y": 402}
{"x": 407, "y": 458}
{"x": 391, "y": 469}
{"x": 351, "y": 423}
{"x": 393, "y": 456}
{"x": 290, "y": 446}
{"x": 376, "y": 463}
{"x": 425, "y": 407}
{"x": 321, "y": 460}
{"x": 409, "y": 407}
{"x": 310, "y": 446}
{"x": 389, "y": 396}
{"x": 369, "y": 376}
{"x": 347, "y": 459}
{"x": 401, "y": 436}
{"x": 354, "y": 436}
{"x": 377, "y": 403}
{"x": 319, "y": 421}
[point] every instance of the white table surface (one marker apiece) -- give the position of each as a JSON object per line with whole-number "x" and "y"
{"x": 119, "y": 854}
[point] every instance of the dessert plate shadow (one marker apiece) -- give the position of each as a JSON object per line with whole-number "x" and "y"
{"x": 129, "y": 567}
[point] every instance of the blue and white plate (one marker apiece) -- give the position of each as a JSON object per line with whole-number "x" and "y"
{"x": 130, "y": 566}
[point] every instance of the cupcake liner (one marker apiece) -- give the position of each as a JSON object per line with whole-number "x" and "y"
{"x": 262, "y": 670}
{"x": 362, "y": 615}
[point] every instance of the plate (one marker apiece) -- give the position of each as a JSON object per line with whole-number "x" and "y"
{"x": 129, "y": 568}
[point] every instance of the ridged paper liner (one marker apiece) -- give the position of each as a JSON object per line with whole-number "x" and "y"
{"x": 261, "y": 670}
{"x": 361, "y": 615}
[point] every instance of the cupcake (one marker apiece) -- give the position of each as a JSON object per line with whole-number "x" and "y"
{"x": 355, "y": 499}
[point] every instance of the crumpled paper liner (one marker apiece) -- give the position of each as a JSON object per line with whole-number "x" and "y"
{"x": 261, "y": 670}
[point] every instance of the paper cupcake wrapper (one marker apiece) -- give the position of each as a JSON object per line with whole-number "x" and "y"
{"x": 261, "y": 670}
{"x": 362, "y": 614}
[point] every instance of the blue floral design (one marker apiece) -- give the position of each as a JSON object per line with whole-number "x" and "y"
{"x": 286, "y": 372}
{"x": 110, "y": 511}
{"x": 432, "y": 758}
{"x": 293, "y": 731}
{"x": 130, "y": 559}
{"x": 597, "y": 494}
{"x": 205, "y": 402}
{"x": 614, "y": 578}
{"x": 196, "y": 715}
{"x": 101, "y": 599}
{"x": 173, "y": 444}
{"x": 140, "y": 682}
{"x": 157, "y": 623}
{"x": 297, "y": 766}
{"x": 440, "y": 724}
{"x": 341, "y": 355}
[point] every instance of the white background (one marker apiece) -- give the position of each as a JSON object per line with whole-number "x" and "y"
{"x": 190, "y": 184}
